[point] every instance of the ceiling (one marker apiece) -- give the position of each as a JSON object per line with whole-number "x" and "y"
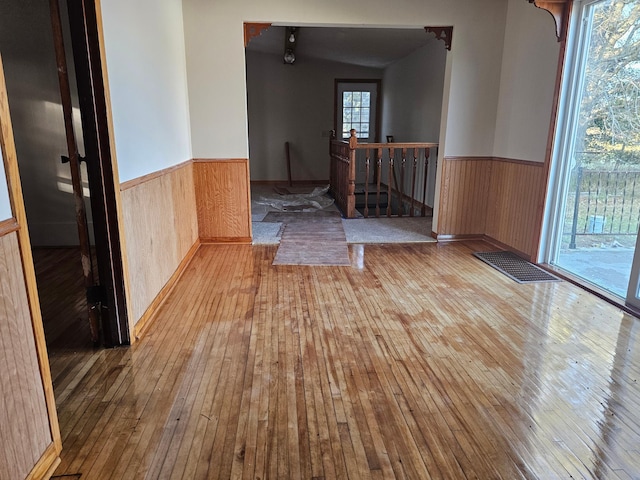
{"x": 367, "y": 47}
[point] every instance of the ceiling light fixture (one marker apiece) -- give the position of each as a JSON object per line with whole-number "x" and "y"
{"x": 290, "y": 42}
{"x": 289, "y": 57}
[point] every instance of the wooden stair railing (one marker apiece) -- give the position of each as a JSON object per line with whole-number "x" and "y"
{"x": 357, "y": 179}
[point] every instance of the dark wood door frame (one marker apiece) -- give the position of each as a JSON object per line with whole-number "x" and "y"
{"x": 85, "y": 40}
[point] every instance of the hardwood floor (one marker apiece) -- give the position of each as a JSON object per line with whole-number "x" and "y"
{"x": 417, "y": 362}
{"x": 62, "y": 297}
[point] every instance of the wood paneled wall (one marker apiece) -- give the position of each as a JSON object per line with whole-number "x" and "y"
{"x": 223, "y": 200}
{"x": 24, "y": 433}
{"x": 496, "y": 197}
{"x": 515, "y": 198}
{"x": 464, "y": 196}
{"x": 29, "y": 432}
{"x": 161, "y": 229}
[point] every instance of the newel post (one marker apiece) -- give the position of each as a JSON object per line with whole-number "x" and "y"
{"x": 351, "y": 192}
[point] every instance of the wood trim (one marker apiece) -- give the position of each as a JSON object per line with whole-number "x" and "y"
{"x": 16, "y": 199}
{"x": 115, "y": 171}
{"x": 560, "y": 10}
{"x": 467, "y": 159}
{"x": 442, "y": 33}
{"x": 152, "y": 176}
{"x": 150, "y": 314}
{"x": 551, "y": 140}
{"x": 8, "y": 226}
{"x": 226, "y": 240}
{"x": 47, "y": 464}
{"x": 457, "y": 238}
{"x": 530, "y": 163}
{"x": 252, "y": 30}
{"x": 219, "y": 160}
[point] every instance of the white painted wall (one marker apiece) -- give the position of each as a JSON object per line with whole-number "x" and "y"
{"x": 412, "y": 96}
{"x": 293, "y": 103}
{"x": 216, "y": 67}
{"x": 412, "y": 103}
{"x": 145, "y": 54}
{"x": 527, "y": 83}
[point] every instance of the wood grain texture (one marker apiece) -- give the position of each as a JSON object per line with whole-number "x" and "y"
{"x": 464, "y": 196}
{"x": 515, "y": 195}
{"x": 31, "y": 350}
{"x": 223, "y": 199}
{"x": 496, "y": 197}
{"x": 25, "y": 434}
{"x": 419, "y": 362}
{"x": 160, "y": 226}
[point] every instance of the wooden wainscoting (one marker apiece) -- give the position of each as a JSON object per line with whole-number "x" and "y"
{"x": 223, "y": 200}
{"x": 493, "y": 197}
{"x": 515, "y": 195}
{"x": 25, "y": 432}
{"x": 161, "y": 230}
{"x": 464, "y": 196}
{"x": 29, "y": 432}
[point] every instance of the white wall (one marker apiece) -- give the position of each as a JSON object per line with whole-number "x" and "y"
{"x": 412, "y": 95}
{"x": 527, "y": 83}
{"x": 293, "y": 103}
{"x": 216, "y": 69}
{"x": 412, "y": 102}
{"x": 145, "y": 56}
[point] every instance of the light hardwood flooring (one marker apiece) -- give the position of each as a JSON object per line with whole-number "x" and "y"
{"x": 417, "y": 362}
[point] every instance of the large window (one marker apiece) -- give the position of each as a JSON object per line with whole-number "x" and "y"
{"x": 597, "y": 160}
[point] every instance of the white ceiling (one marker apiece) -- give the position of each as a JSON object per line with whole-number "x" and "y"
{"x": 368, "y": 47}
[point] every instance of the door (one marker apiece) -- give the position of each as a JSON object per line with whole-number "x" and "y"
{"x": 597, "y": 159}
{"x": 30, "y": 431}
{"x": 85, "y": 36}
{"x": 357, "y": 107}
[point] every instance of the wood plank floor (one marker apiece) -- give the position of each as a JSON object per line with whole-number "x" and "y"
{"x": 417, "y": 362}
{"x": 62, "y": 297}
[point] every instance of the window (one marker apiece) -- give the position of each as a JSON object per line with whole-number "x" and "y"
{"x": 356, "y": 111}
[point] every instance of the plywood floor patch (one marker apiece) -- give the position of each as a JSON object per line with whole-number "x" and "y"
{"x": 319, "y": 240}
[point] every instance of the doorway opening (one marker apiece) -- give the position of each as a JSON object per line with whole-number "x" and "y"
{"x": 596, "y": 192}
{"x": 296, "y": 103}
{"x": 28, "y": 42}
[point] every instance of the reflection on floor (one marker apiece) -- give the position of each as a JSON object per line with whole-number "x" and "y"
{"x": 419, "y": 361}
{"x": 62, "y": 298}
